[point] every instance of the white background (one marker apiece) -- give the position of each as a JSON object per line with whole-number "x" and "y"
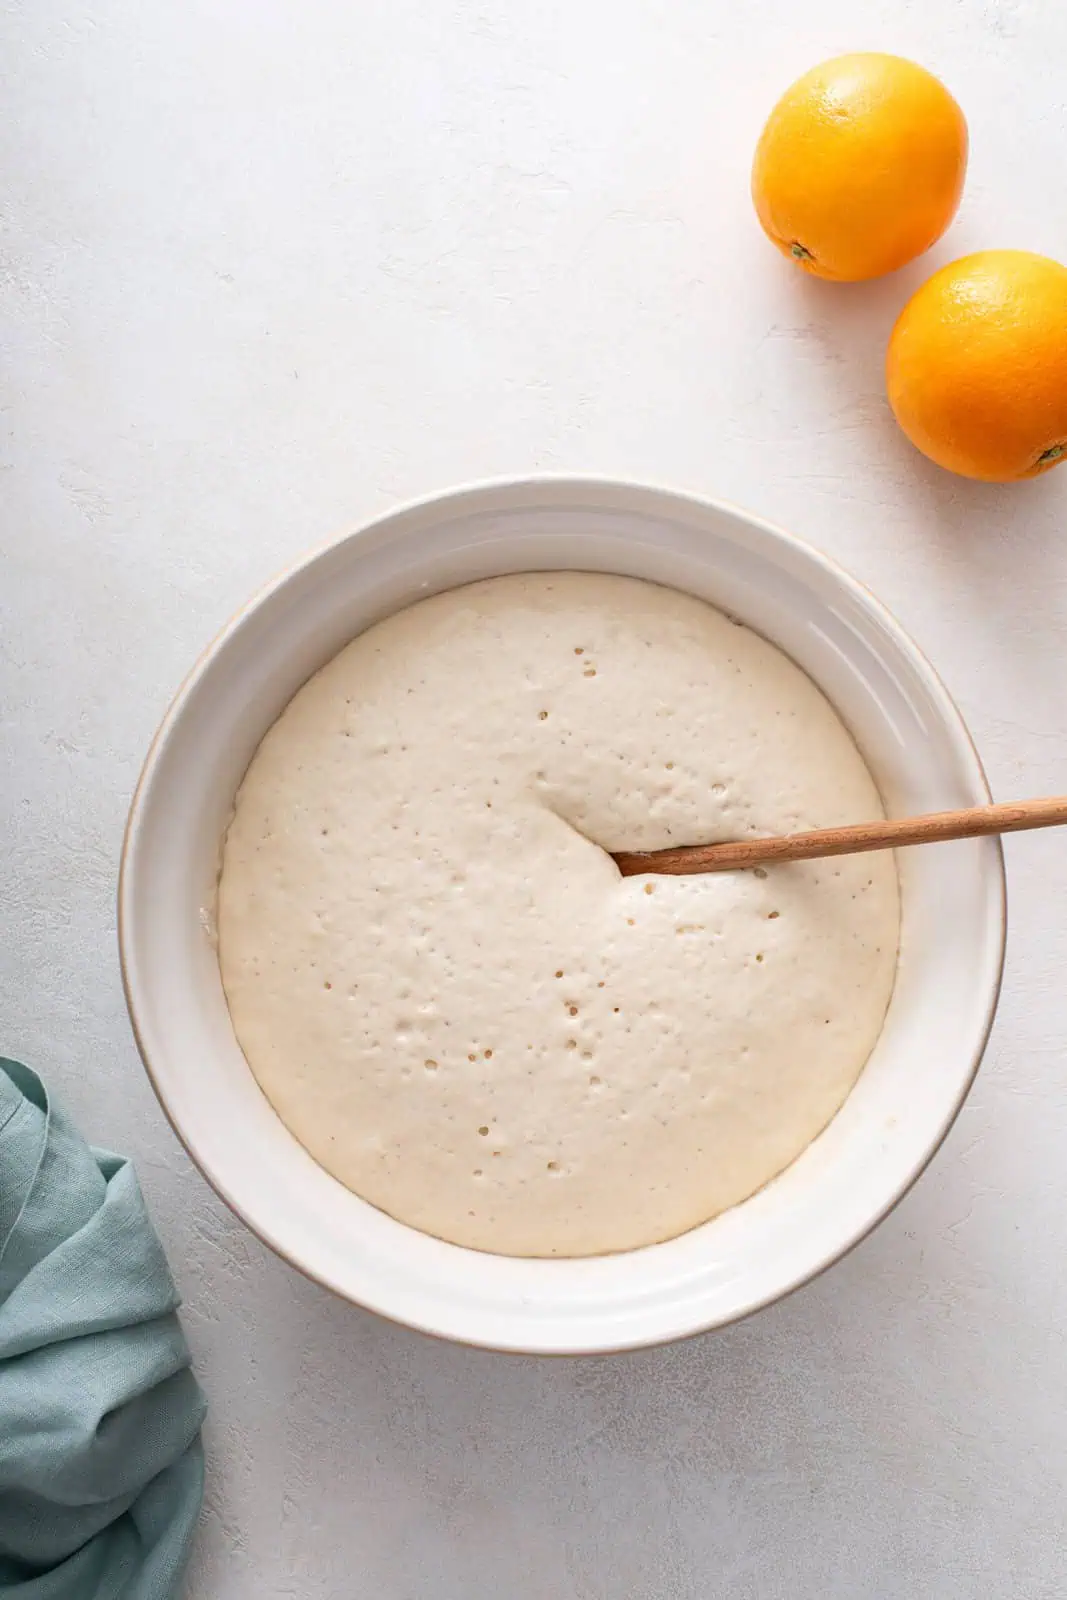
{"x": 268, "y": 267}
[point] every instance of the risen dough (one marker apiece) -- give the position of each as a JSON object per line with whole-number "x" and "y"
{"x": 439, "y": 978}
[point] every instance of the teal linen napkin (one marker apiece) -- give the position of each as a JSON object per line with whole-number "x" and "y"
{"x": 101, "y": 1468}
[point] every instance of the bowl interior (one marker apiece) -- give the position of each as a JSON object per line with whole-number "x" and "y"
{"x": 906, "y": 1098}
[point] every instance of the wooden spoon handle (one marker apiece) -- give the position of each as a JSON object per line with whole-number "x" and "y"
{"x": 970, "y": 824}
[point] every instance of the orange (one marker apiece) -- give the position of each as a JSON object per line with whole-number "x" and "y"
{"x": 860, "y": 166}
{"x": 977, "y": 366}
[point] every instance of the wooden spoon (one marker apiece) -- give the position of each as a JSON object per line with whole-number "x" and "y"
{"x": 969, "y": 824}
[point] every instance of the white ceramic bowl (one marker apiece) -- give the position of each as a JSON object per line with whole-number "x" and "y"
{"x": 908, "y": 1095}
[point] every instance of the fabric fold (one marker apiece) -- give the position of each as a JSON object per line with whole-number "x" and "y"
{"x": 101, "y": 1467}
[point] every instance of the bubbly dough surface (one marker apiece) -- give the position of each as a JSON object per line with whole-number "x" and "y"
{"x": 445, "y": 988}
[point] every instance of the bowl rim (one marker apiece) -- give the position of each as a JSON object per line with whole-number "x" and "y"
{"x": 460, "y": 497}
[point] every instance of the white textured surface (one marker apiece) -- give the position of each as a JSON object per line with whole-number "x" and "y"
{"x": 270, "y": 266}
